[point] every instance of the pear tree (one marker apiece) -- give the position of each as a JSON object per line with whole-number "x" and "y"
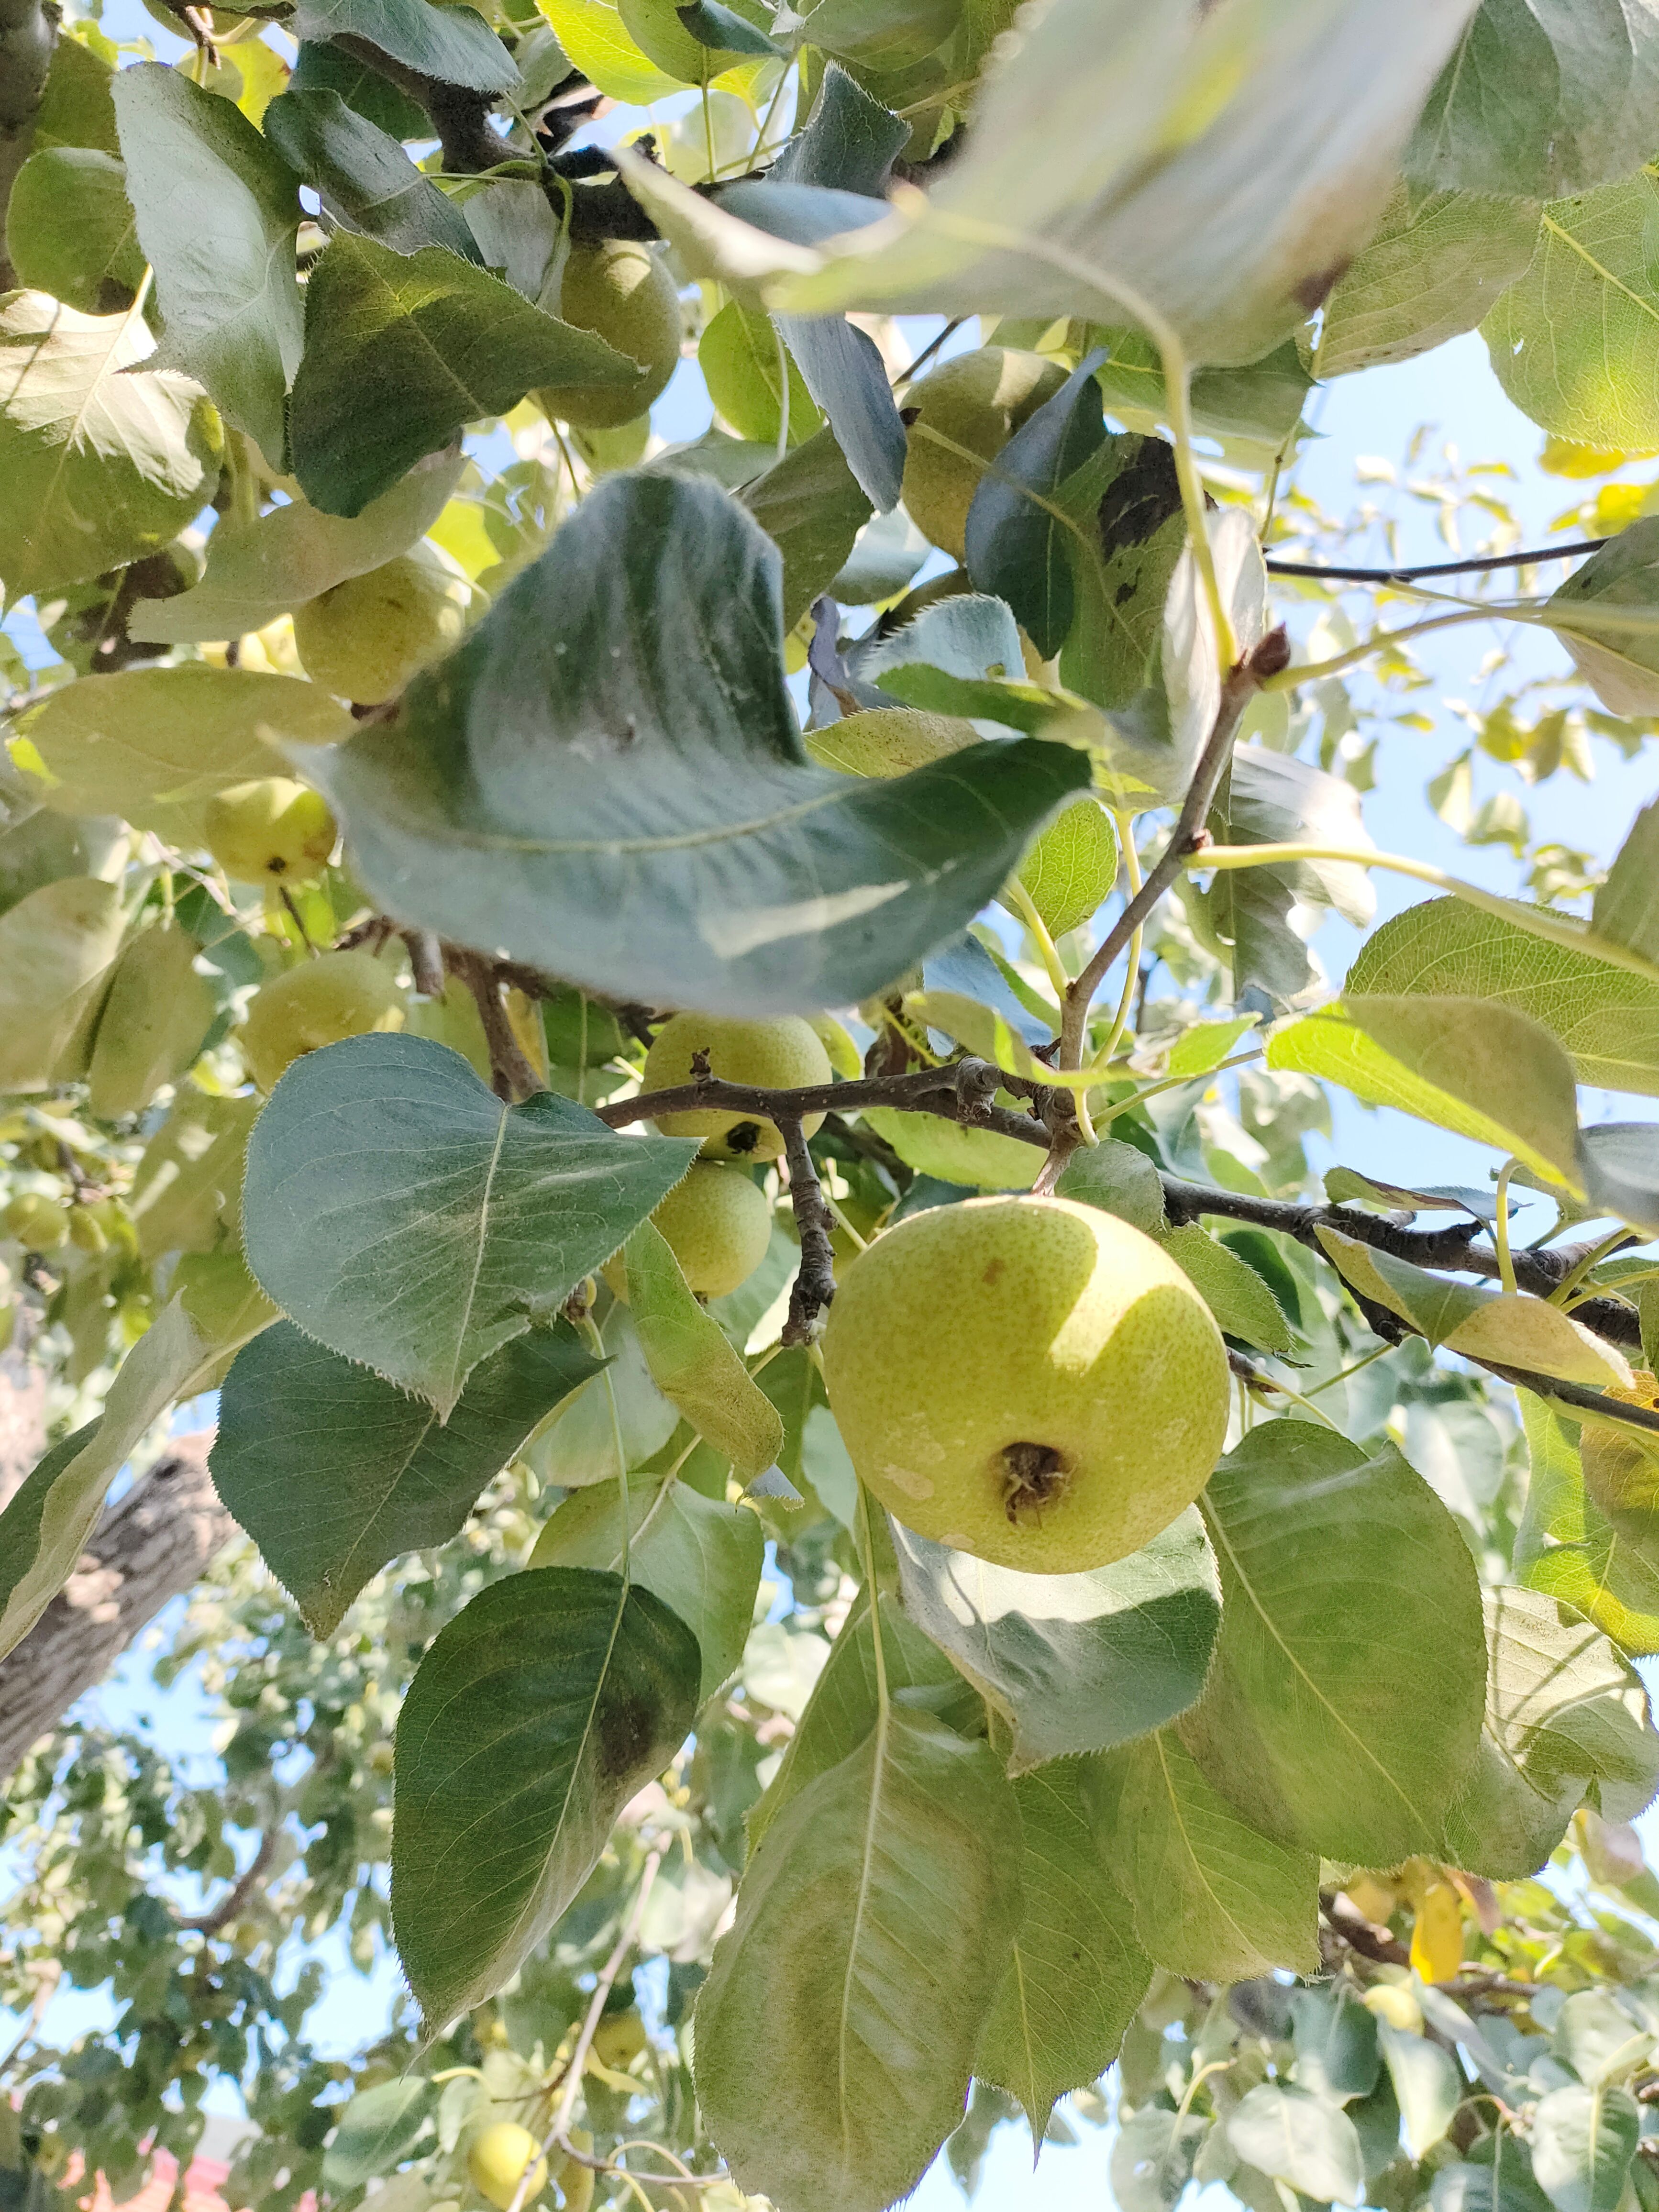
{"x": 656, "y": 1096}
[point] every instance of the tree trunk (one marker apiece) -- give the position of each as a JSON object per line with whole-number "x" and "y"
{"x": 149, "y": 1549}
{"x": 28, "y": 31}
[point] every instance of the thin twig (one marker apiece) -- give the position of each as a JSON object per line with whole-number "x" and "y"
{"x": 511, "y": 1075}
{"x": 815, "y": 1278}
{"x": 1436, "y": 568}
{"x": 426, "y": 960}
{"x": 1267, "y": 659}
{"x": 220, "y": 1915}
{"x": 960, "y": 1091}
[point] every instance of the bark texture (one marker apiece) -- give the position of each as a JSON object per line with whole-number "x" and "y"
{"x": 148, "y": 1549}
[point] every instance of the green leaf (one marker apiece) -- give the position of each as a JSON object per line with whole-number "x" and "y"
{"x": 843, "y": 1706}
{"x": 1567, "y": 1547}
{"x": 218, "y": 211}
{"x": 378, "y": 2129}
{"x": 1018, "y": 536}
{"x": 873, "y": 1928}
{"x": 1571, "y": 339}
{"x": 405, "y": 1218}
{"x": 334, "y": 1472}
{"x": 1508, "y": 1327}
{"x": 76, "y": 108}
{"x": 1540, "y": 99}
{"x": 1259, "y": 403}
{"x": 58, "y": 952}
{"x": 187, "y": 1186}
{"x": 260, "y": 569}
{"x": 1075, "y": 1662}
{"x": 1336, "y": 2050}
{"x": 701, "y": 1557}
{"x": 97, "y": 467}
{"x": 152, "y": 1022}
{"x": 1477, "y": 1067}
{"x": 70, "y": 230}
{"x": 1435, "y": 265}
{"x": 323, "y": 67}
{"x": 1344, "y": 1704}
{"x": 1301, "y": 2140}
{"x": 1606, "y": 614}
{"x": 693, "y": 1364}
{"x": 1120, "y": 1179}
{"x": 850, "y": 141}
{"x": 453, "y": 44}
{"x": 1153, "y": 2159}
{"x": 155, "y": 744}
{"x": 1077, "y": 1974}
{"x": 1215, "y": 1900}
{"x": 1072, "y": 867}
{"x": 592, "y": 34}
{"x": 1266, "y": 798}
{"x": 879, "y": 35}
{"x": 810, "y": 506}
{"x": 1598, "y": 2038}
{"x": 1238, "y": 1298}
{"x": 1427, "y": 2083}
{"x": 1209, "y": 186}
{"x": 535, "y": 1715}
{"x": 740, "y": 354}
{"x": 45, "y": 1525}
{"x": 724, "y": 871}
{"x": 1627, "y": 908}
{"x": 1583, "y": 2142}
{"x": 364, "y": 178}
{"x": 402, "y": 351}
{"x": 1607, "y": 1019}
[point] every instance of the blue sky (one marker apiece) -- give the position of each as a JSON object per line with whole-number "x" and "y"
{"x": 1374, "y": 415}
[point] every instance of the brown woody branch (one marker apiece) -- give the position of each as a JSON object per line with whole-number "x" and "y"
{"x": 230, "y": 1905}
{"x": 815, "y": 1278}
{"x": 458, "y": 115}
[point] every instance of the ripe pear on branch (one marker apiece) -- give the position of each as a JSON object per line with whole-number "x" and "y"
{"x": 783, "y": 1054}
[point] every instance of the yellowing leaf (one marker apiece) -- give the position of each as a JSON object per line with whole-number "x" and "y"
{"x": 693, "y": 1364}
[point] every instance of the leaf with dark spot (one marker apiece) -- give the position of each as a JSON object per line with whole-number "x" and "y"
{"x": 538, "y": 1713}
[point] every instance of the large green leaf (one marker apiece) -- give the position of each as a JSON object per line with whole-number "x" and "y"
{"x": 1119, "y": 137}
{"x": 453, "y": 44}
{"x": 1434, "y": 266}
{"x": 1344, "y": 1705}
{"x": 58, "y": 952}
{"x": 1075, "y": 1662}
{"x": 811, "y": 507}
{"x": 96, "y": 467}
{"x": 1540, "y": 98}
{"x": 607, "y": 780}
{"x": 1304, "y": 2140}
{"x": 1568, "y": 1548}
{"x": 405, "y": 1218}
{"x": 260, "y": 569}
{"x": 364, "y": 178}
{"x": 533, "y": 1719}
{"x": 1235, "y": 1294}
{"x": 155, "y": 744}
{"x": 1572, "y": 340}
{"x": 693, "y": 1364}
{"x": 1215, "y": 1900}
{"x": 46, "y": 1522}
{"x": 1270, "y": 799}
{"x": 1481, "y": 1069}
{"x": 1607, "y": 1019}
{"x": 874, "y": 1927}
{"x": 1428, "y": 2085}
{"x": 334, "y": 1472}
{"x": 403, "y": 350}
{"x": 1606, "y": 614}
{"x": 1020, "y": 544}
{"x": 843, "y": 1706}
{"x": 218, "y": 211}
{"x": 70, "y": 230}
{"x": 701, "y": 1556}
{"x": 1627, "y": 908}
{"x": 1077, "y": 1974}
{"x": 1583, "y": 2142}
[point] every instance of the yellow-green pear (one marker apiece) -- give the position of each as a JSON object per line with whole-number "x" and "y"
{"x": 977, "y": 402}
{"x": 39, "y": 1223}
{"x": 497, "y": 2161}
{"x": 718, "y": 1225}
{"x": 365, "y": 638}
{"x": 623, "y": 293}
{"x": 1028, "y": 1380}
{"x": 153, "y": 1020}
{"x": 271, "y": 831}
{"x": 784, "y": 1054}
{"x": 320, "y": 1002}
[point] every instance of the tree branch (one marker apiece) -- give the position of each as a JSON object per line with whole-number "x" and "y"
{"x": 512, "y": 1075}
{"x": 1238, "y": 688}
{"x": 149, "y": 1549}
{"x": 1436, "y": 568}
{"x": 458, "y": 116}
{"x": 815, "y": 1278}
{"x": 220, "y": 1915}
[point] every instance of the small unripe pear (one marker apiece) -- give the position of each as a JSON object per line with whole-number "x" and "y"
{"x": 619, "y": 2039}
{"x": 977, "y": 401}
{"x": 320, "y": 1002}
{"x": 39, "y": 1223}
{"x": 365, "y": 638}
{"x": 575, "y": 2181}
{"x": 271, "y": 831}
{"x": 1026, "y": 1379}
{"x": 784, "y": 1054}
{"x": 717, "y": 1224}
{"x": 496, "y": 2162}
{"x": 623, "y": 293}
